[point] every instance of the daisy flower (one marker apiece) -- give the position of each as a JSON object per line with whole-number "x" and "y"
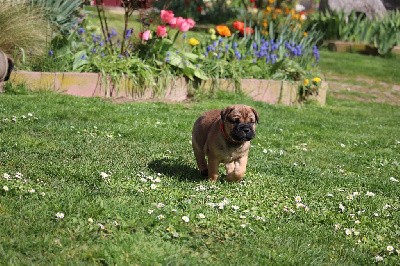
{"x": 185, "y": 219}
{"x": 60, "y": 215}
{"x": 297, "y": 199}
{"x": 370, "y": 194}
{"x": 201, "y": 216}
{"x": 5, "y": 188}
{"x": 160, "y": 217}
{"x": 390, "y": 248}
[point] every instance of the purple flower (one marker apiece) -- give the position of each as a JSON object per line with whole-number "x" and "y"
{"x": 128, "y": 33}
{"x": 51, "y": 53}
{"x": 238, "y": 54}
{"x": 81, "y": 31}
{"x": 316, "y": 53}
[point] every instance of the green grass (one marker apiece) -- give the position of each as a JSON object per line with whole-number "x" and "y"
{"x": 356, "y": 65}
{"x": 327, "y": 155}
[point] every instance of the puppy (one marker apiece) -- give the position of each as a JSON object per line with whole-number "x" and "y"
{"x": 224, "y": 137}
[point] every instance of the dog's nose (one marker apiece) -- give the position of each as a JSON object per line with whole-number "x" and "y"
{"x": 246, "y": 130}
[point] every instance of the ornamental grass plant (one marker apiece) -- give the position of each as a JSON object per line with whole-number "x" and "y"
{"x": 24, "y": 31}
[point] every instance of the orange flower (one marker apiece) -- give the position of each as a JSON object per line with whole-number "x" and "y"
{"x": 223, "y": 30}
{"x": 238, "y": 25}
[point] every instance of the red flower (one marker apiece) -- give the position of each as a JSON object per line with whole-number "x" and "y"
{"x": 248, "y": 31}
{"x": 238, "y": 25}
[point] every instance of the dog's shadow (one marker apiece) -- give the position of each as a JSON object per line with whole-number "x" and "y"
{"x": 176, "y": 168}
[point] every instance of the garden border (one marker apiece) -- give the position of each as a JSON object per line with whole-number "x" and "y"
{"x": 178, "y": 89}
{"x": 355, "y": 47}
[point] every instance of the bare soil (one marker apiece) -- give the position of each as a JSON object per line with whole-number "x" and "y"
{"x": 363, "y": 89}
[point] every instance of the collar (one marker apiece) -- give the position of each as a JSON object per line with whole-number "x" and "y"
{"x": 222, "y": 128}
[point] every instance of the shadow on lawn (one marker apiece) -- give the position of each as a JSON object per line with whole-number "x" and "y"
{"x": 176, "y": 168}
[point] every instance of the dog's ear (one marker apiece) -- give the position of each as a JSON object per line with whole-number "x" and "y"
{"x": 225, "y": 112}
{"x": 255, "y": 114}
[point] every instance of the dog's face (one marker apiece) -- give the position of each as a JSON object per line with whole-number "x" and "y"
{"x": 240, "y": 122}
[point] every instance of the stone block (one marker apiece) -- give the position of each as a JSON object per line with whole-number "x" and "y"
{"x": 268, "y": 91}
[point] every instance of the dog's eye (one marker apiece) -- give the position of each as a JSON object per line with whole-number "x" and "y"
{"x": 234, "y": 121}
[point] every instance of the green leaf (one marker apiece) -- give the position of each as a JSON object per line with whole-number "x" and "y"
{"x": 80, "y": 60}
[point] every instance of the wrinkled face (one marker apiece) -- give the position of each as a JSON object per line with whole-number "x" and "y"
{"x": 240, "y": 122}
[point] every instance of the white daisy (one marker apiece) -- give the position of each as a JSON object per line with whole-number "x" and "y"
{"x": 60, "y": 215}
{"x": 160, "y": 217}
{"x": 235, "y": 207}
{"x": 5, "y": 188}
{"x": 370, "y": 194}
{"x": 185, "y": 219}
{"x": 297, "y": 199}
{"x": 390, "y": 248}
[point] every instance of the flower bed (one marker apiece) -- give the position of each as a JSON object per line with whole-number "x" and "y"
{"x": 177, "y": 89}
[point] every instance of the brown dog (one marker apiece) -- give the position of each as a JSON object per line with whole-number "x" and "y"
{"x": 224, "y": 137}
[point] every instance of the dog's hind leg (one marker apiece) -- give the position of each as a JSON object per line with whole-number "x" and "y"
{"x": 200, "y": 159}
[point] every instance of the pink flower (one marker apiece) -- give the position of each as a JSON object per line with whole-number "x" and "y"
{"x": 191, "y": 22}
{"x": 183, "y": 24}
{"x": 161, "y": 31}
{"x": 145, "y": 36}
{"x": 167, "y": 16}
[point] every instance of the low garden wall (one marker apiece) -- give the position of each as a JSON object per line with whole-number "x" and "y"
{"x": 346, "y": 47}
{"x": 178, "y": 89}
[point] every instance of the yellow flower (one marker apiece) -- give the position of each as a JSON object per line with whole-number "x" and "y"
{"x": 265, "y": 23}
{"x": 316, "y": 80}
{"x": 305, "y": 34}
{"x": 305, "y": 82}
{"x": 193, "y": 42}
{"x": 211, "y": 31}
{"x": 271, "y": 2}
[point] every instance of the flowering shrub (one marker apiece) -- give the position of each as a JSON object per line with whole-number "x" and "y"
{"x": 163, "y": 49}
{"x": 309, "y": 87}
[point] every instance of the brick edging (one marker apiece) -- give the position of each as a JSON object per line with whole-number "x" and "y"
{"x": 177, "y": 89}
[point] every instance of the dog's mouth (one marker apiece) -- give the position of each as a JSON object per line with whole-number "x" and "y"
{"x": 243, "y": 132}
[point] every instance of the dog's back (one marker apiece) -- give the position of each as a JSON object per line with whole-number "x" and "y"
{"x": 203, "y": 125}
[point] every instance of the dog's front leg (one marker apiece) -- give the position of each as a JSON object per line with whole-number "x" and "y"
{"x": 235, "y": 170}
{"x": 213, "y": 164}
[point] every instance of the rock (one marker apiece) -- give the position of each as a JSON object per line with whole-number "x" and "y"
{"x": 371, "y": 8}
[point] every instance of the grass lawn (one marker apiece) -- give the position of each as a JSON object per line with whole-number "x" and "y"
{"x": 120, "y": 178}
